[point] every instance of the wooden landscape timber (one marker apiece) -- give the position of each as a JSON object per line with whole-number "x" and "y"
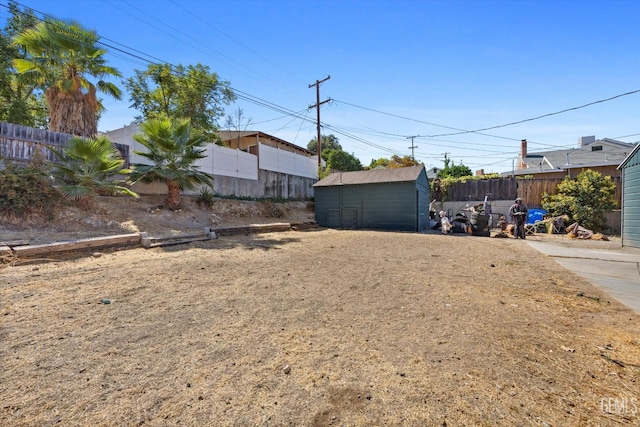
{"x": 76, "y": 245}
{"x": 22, "y": 248}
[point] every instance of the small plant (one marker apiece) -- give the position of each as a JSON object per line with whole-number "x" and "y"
{"x": 271, "y": 210}
{"x": 206, "y": 198}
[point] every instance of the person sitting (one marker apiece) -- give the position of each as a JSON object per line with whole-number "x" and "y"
{"x": 445, "y": 224}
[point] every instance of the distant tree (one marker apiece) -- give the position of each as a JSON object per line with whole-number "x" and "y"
{"x": 21, "y": 102}
{"x": 61, "y": 58}
{"x": 328, "y": 142}
{"x": 395, "y": 162}
{"x": 453, "y": 171}
{"x": 342, "y": 161}
{"x": 584, "y": 199}
{"x": 237, "y": 122}
{"x": 172, "y": 152}
{"x": 194, "y": 92}
{"x": 382, "y": 162}
{"x": 87, "y": 168}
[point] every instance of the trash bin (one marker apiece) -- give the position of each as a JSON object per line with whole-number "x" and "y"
{"x": 535, "y": 215}
{"x": 480, "y": 224}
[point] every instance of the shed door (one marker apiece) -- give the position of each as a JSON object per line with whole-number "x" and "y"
{"x": 342, "y": 218}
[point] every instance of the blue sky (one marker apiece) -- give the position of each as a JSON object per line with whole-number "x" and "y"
{"x": 399, "y": 68}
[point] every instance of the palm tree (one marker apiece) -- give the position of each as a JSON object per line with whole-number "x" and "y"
{"x": 88, "y": 167}
{"x": 173, "y": 153}
{"x": 69, "y": 54}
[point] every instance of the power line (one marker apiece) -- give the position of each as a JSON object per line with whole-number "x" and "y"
{"x": 422, "y": 121}
{"x": 543, "y": 115}
{"x": 143, "y": 58}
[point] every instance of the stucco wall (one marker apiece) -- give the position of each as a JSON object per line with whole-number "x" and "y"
{"x": 269, "y": 185}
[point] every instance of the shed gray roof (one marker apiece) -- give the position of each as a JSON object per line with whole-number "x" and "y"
{"x": 372, "y": 176}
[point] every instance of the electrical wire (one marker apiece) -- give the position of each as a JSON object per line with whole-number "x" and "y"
{"x": 140, "y": 57}
{"x": 544, "y": 115}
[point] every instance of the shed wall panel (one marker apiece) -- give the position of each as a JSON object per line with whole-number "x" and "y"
{"x": 631, "y": 204}
{"x": 394, "y": 205}
{"x": 387, "y": 206}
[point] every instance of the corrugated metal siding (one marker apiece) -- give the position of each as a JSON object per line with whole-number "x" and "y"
{"x": 385, "y": 206}
{"x": 423, "y": 199}
{"x": 631, "y": 202}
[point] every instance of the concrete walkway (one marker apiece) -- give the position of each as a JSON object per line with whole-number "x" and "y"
{"x": 615, "y": 271}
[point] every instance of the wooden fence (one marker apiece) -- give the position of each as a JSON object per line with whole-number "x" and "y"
{"x": 20, "y": 143}
{"x": 530, "y": 190}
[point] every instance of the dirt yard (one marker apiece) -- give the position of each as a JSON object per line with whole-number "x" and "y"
{"x": 308, "y": 328}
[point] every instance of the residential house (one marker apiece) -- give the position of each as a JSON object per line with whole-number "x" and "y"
{"x": 602, "y": 155}
{"x": 253, "y": 164}
{"x": 248, "y": 141}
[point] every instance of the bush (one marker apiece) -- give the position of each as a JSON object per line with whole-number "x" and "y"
{"x": 584, "y": 199}
{"x": 206, "y": 198}
{"x": 28, "y": 192}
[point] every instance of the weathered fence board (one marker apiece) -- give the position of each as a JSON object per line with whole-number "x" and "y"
{"x": 530, "y": 190}
{"x": 21, "y": 143}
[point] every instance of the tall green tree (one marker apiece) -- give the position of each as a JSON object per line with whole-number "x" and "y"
{"x": 21, "y": 102}
{"x": 68, "y": 54}
{"x": 172, "y": 152}
{"x": 194, "y": 92}
{"x": 584, "y": 199}
{"x": 328, "y": 142}
{"x": 89, "y": 167}
{"x": 453, "y": 171}
{"x": 338, "y": 160}
{"x": 342, "y": 161}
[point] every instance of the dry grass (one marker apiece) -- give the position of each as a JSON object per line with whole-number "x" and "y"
{"x": 378, "y": 329}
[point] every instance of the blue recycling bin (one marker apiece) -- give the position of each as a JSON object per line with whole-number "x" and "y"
{"x": 536, "y": 215}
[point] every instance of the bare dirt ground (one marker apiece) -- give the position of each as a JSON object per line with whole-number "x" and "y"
{"x": 309, "y": 328}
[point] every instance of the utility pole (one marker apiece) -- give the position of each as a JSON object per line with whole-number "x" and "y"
{"x": 317, "y": 107}
{"x": 412, "y": 146}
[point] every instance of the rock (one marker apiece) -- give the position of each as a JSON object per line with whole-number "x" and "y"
{"x": 286, "y": 369}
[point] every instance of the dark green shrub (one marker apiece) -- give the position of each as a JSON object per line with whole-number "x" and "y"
{"x": 27, "y": 192}
{"x": 584, "y": 199}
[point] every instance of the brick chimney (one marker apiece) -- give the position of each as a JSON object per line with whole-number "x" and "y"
{"x": 523, "y": 153}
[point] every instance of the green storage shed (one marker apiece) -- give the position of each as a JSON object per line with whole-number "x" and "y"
{"x": 630, "y": 168}
{"x": 377, "y": 199}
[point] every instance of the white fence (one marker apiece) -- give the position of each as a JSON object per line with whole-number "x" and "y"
{"x": 279, "y": 160}
{"x": 232, "y": 162}
{"x": 229, "y": 162}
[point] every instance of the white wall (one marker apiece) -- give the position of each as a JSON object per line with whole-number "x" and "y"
{"x": 279, "y": 160}
{"x": 231, "y": 162}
